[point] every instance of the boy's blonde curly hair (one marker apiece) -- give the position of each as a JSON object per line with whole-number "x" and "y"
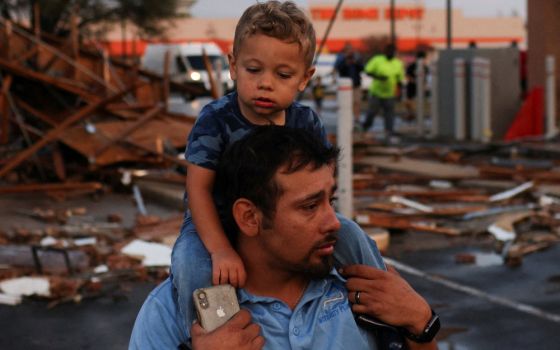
{"x": 281, "y": 20}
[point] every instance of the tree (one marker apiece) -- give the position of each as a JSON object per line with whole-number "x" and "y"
{"x": 147, "y": 15}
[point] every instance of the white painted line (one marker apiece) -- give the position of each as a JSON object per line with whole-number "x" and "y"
{"x": 528, "y": 309}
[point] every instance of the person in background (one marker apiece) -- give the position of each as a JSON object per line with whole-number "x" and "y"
{"x": 388, "y": 74}
{"x": 349, "y": 64}
{"x": 411, "y": 88}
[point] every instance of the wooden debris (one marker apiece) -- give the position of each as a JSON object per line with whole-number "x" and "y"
{"x": 432, "y": 169}
{"x": 404, "y": 223}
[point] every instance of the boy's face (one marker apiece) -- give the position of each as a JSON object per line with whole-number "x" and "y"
{"x": 269, "y": 73}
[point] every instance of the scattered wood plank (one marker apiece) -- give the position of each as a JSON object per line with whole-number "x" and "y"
{"x": 52, "y": 187}
{"x": 427, "y": 168}
{"x": 404, "y": 223}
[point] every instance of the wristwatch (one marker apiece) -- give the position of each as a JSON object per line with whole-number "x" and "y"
{"x": 428, "y": 333}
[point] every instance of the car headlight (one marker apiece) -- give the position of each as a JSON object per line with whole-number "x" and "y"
{"x": 195, "y": 76}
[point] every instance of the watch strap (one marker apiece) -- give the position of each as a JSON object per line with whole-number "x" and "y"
{"x": 429, "y": 332}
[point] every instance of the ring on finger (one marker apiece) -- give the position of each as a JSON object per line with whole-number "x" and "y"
{"x": 357, "y": 297}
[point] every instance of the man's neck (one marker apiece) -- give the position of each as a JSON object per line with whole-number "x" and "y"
{"x": 266, "y": 280}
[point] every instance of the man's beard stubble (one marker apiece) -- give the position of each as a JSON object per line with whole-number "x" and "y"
{"x": 321, "y": 269}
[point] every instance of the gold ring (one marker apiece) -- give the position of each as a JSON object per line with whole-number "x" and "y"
{"x": 357, "y": 297}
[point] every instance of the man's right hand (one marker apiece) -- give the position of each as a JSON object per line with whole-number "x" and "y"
{"x": 237, "y": 333}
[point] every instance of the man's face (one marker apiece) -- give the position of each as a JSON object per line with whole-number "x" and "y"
{"x": 269, "y": 73}
{"x": 301, "y": 236}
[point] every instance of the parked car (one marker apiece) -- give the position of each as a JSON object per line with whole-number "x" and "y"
{"x": 186, "y": 63}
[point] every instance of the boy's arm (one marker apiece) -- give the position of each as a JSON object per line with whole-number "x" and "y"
{"x": 199, "y": 184}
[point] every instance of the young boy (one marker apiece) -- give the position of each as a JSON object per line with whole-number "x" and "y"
{"x": 273, "y": 49}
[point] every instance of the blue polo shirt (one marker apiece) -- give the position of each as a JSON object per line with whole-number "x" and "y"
{"x": 322, "y": 319}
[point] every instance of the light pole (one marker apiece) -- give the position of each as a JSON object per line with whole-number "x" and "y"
{"x": 449, "y": 23}
{"x": 392, "y": 19}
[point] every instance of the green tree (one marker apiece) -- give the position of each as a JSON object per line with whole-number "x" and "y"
{"x": 149, "y": 16}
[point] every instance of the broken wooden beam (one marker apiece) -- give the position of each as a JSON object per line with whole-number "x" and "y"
{"x": 404, "y": 223}
{"x": 52, "y": 187}
{"x": 432, "y": 169}
{"x": 44, "y": 78}
{"x": 127, "y": 131}
{"x": 5, "y": 109}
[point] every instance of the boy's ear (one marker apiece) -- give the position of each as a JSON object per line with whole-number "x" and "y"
{"x": 232, "y": 67}
{"x": 247, "y": 216}
{"x": 307, "y": 76}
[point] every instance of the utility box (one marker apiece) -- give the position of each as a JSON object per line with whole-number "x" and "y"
{"x": 478, "y": 92}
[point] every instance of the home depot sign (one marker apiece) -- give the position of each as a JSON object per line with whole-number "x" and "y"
{"x": 367, "y": 13}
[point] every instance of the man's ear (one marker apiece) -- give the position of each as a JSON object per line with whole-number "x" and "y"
{"x": 232, "y": 66}
{"x": 308, "y": 74}
{"x": 247, "y": 216}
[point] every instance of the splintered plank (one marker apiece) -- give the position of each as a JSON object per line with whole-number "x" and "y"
{"x": 5, "y": 109}
{"x": 424, "y": 168}
{"x": 52, "y": 187}
{"x": 404, "y": 223}
{"x": 143, "y": 138}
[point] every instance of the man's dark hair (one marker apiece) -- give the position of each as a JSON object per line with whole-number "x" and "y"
{"x": 247, "y": 167}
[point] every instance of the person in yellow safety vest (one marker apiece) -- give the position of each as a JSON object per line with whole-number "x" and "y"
{"x": 388, "y": 75}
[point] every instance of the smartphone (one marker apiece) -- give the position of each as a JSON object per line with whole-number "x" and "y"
{"x": 215, "y": 305}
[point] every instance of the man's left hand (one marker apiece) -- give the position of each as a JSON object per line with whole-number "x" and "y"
{"x": 386, "y": 296}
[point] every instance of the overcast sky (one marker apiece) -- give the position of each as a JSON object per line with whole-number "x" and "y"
{"x": 234, "y": 8}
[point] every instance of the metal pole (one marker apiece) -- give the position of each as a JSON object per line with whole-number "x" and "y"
{"x": 551, "y": 127}
{"x": 344, "y": 140}
{"x": 449, "y": 23}
{"x": 487, "y": 101}
{"x": 434, "y": 94}
{"x": 392, "y": 19}
{"x": 481, "y": 129}
{"x": 459, "y": 75}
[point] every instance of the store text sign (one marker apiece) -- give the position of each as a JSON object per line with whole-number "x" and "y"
{"x": 367, "y": 13}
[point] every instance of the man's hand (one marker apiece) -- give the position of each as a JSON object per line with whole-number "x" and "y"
{"x": 237, "y": 333}
{"x": 386, "y": 296}
{"x": 227, "y": 267}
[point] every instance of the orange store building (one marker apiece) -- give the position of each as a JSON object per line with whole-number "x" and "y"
{"x": 415, "y": 25}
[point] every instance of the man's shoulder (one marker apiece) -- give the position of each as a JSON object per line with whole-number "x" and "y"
{"x": 159, "y": 324}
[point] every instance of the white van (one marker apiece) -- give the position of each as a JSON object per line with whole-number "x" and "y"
{"x": 186, "y": 63}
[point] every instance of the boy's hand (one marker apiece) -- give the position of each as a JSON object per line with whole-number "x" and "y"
{"x": 227, "y": 267}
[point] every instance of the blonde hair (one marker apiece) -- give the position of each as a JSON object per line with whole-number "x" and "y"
{"x": 281, "y": 20}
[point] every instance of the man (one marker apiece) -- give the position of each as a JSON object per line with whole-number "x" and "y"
{"x": 411, "y": 88}
{"x": 279, "y": 187}
{"x": 388, "y": 74}
{"x": 349, "y": 64}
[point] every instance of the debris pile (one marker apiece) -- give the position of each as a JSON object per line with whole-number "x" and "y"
{"x": 74, "y": 255}
{"x": 69, "y": 114}
{"x": 510, "y": 191}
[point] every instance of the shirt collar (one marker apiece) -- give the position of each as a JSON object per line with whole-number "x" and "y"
{"x": 316, "y": 289}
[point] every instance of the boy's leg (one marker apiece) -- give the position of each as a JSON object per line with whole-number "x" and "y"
{"x": 191, "y": 268}
{"x": 355, "y": 247}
